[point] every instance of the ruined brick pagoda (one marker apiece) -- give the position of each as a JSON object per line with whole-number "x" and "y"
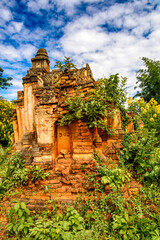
{"x": 60, "y": 149}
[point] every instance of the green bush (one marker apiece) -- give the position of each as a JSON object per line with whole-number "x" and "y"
{"x": 141, "y": 153}
{"x": 37, "y": 173}
{"x": 113, "y": 175}
{"x": 15, "y": 173}
{"x": 59, "y": 227}
{"x": 20, "y": 220}
{"x": 6, "y": 126}
{"x": 96, "y": 107}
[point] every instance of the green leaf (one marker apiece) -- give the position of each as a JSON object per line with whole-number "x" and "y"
{"x": 20, "y": 227}
{"x": 27, "y": 211}
{"x": 20, "y": 213}
{"x": 126, "y": 216}
{"x": 22, "y": 218}
{"x": 23, "y": 205}
{"x": 9, "y": 226}
{"x": 123, "y": 220}
{"x": 25, "y": 230}
{"x": 105, "y": 180}
{"x": 122, "y": 231}
{"x": 80, "y": 227}
{"x": 16, "y": 206}
{"x": 66, "y": 225}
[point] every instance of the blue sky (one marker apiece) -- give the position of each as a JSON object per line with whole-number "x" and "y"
{"x": 111, "y": 35}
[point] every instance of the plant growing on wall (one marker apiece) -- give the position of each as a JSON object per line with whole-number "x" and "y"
{"x": 15, "y": 174}
{"x": 67, "y": 65}
{"x": 93, "y": 108}
{"x": 96, "y": 105}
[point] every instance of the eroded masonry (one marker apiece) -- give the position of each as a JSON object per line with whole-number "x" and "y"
{"x": 63, "y": 150}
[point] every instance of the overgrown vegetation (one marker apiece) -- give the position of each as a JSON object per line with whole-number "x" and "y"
{"x": 66, "y": 65}
{"x": 14, "y": 173}
{"x": 141, "y": 152}
{"x": 104, "y": 217}
{"x": 99, "y": 216}
{"x": 114, "y": 176}
{"x": 148, "y": 79}
{"x": 96, "y": 105}
{"x": 109, "y": 211}
{"x": 6, "y": 126}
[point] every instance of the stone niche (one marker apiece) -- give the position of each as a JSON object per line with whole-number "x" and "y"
{"x": 60, "y": 149}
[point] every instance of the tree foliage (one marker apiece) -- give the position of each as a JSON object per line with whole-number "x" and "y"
{"x": 142, "y": 150}
{"x": 4, "y": 82}
{"x": 114, "y": 89}
{"x": 67, "y": 65}
{"x": 149, "y": 80}
{"x": 6, "y": 126}
{"x": 96, "y": 106}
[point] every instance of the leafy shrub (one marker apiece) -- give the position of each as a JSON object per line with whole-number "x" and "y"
{"x": 125, "y": 226}
{"x": 115, "y": 177}
{"x": 37, "y": 173}
{"x": 113, "y": 89}
{"x": 19, "y": 220}
{"x": 14, "y": 162}
{"x": 16, "y": 174}
{"x": 94, "y": 109}
{"x": 60, "y": 227}
{"x": 6, "y": 126}
{"x": 3, "y": 154}
{"x": 112, "y": 175}
{"x": 107, "y": 217}
{"x": 142, "y": 150}
{"x": 74, "y": 219}
{"x": 141, "y": 153}
{"x": 96, "y": 106}
{"x": 148, "y": 113}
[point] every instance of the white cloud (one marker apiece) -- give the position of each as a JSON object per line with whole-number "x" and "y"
{"x": 108, "y": 52}
{"x": 69, "y": 6}
{"x": 15, "y": 27}
{"x": 55, "y": 54}
{"x": 10, "y": 53}
{"x": 36, "y": 5}
{"x": 36, "y": 36}
{"x": 6, "y": 14}
{"x": 84, "y": 40}
{"x": 111, "y": 39}
{"x": 57, "y": 22}
{"x": 27, "y": 51}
